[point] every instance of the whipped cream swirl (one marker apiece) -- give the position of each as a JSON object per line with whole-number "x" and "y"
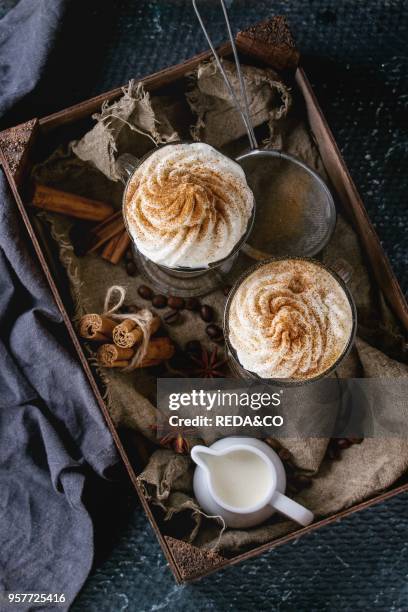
{"x": 289, "y": 319}
{"x": 188, "y": 205}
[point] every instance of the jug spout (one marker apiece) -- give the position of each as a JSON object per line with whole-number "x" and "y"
{"x": 201, "y": 455}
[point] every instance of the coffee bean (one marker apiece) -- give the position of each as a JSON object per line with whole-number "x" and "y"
{"x": 131, "y": 268}
{"x": 284, "y": 454}
{"x": 145, "y": 292}
{"x": 355, "y": 440}
{"x": 176, "y": 303}
{"x": 207, "y": 313}
{"x": 172, "y": 317}
{"x": 226, "y": 290}
{"x": 193, "y": 303}
{"x": 343, "y": 443}
{"x": 159, "y": 301}
{"x": 193, "y": 347}
{"x": 214, "y": 332}
{"x": 129, "y": 255}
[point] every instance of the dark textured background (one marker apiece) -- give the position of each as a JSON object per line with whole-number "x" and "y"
{"x": 355, "y": 53}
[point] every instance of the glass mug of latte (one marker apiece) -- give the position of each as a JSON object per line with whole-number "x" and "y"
{"x": 188, "y": 210}
{"x": 289, "y": 320}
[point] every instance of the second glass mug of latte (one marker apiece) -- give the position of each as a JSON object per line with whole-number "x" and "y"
{"x": 290, "y": 321}
{"x": 190, "y": 182}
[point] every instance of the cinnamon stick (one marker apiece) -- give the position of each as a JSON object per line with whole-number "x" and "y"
{"x": 149, "y": 363}
{"x": 128, "y": 334}
{"x": 159, "y": 349}
{"x": 116, "y": 248}
{"x": 110, "y": 247}
{"x": 112, "y": 356}
{"x": 96, "y": 327}
{"x": 106, "y": 230}
{"x": 100, "y": 229}
{"x": 70, "y": 204}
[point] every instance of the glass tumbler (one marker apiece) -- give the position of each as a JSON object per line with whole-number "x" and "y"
{"x": 178, "y": 280}
{"x": 342, "y": 274}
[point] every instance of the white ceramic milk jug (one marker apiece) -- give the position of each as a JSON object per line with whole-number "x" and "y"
{"x": 244, "y": 481}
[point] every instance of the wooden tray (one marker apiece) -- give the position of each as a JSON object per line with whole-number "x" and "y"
{"x": 269, "y": 43}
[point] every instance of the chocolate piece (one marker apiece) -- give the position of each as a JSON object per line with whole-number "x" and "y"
{"x": 192, "y": 561}
{"x": 16, "y": 144}
{"x": 271, "y": 42}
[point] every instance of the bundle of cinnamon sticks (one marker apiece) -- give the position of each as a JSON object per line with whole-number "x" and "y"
{"x": 108, "y": 236}
{"x": 120, "y": 341}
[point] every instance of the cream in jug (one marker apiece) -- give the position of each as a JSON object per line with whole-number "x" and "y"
{"x": 239, "y": 478}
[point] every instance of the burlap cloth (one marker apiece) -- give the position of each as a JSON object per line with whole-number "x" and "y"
{"x": 204, "y": 111}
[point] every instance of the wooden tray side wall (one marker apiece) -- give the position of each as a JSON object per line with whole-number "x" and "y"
{"x": 352, "y": 202}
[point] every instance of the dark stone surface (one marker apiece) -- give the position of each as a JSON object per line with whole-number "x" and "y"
{"x": 359, "y": 564}
{"x": 355, "y": 54}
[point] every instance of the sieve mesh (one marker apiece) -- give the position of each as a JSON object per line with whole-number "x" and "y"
{"x": 295, "y": 212}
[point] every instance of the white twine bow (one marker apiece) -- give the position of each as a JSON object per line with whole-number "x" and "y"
{"x": 143, "y": 319}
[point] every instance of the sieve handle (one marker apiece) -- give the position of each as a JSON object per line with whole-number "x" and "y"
{"x": 243, "y": 111}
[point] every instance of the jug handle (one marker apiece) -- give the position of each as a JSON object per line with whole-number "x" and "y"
{"x": 291, "y": 509}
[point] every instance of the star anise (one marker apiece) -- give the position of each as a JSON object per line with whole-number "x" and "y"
{"x": 176, "y": 442}
{"x": 209, "y": 365}
{"x": 179, "y": 441}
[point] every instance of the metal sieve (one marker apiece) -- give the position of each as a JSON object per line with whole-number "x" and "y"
{"x": 295, "y": 211}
